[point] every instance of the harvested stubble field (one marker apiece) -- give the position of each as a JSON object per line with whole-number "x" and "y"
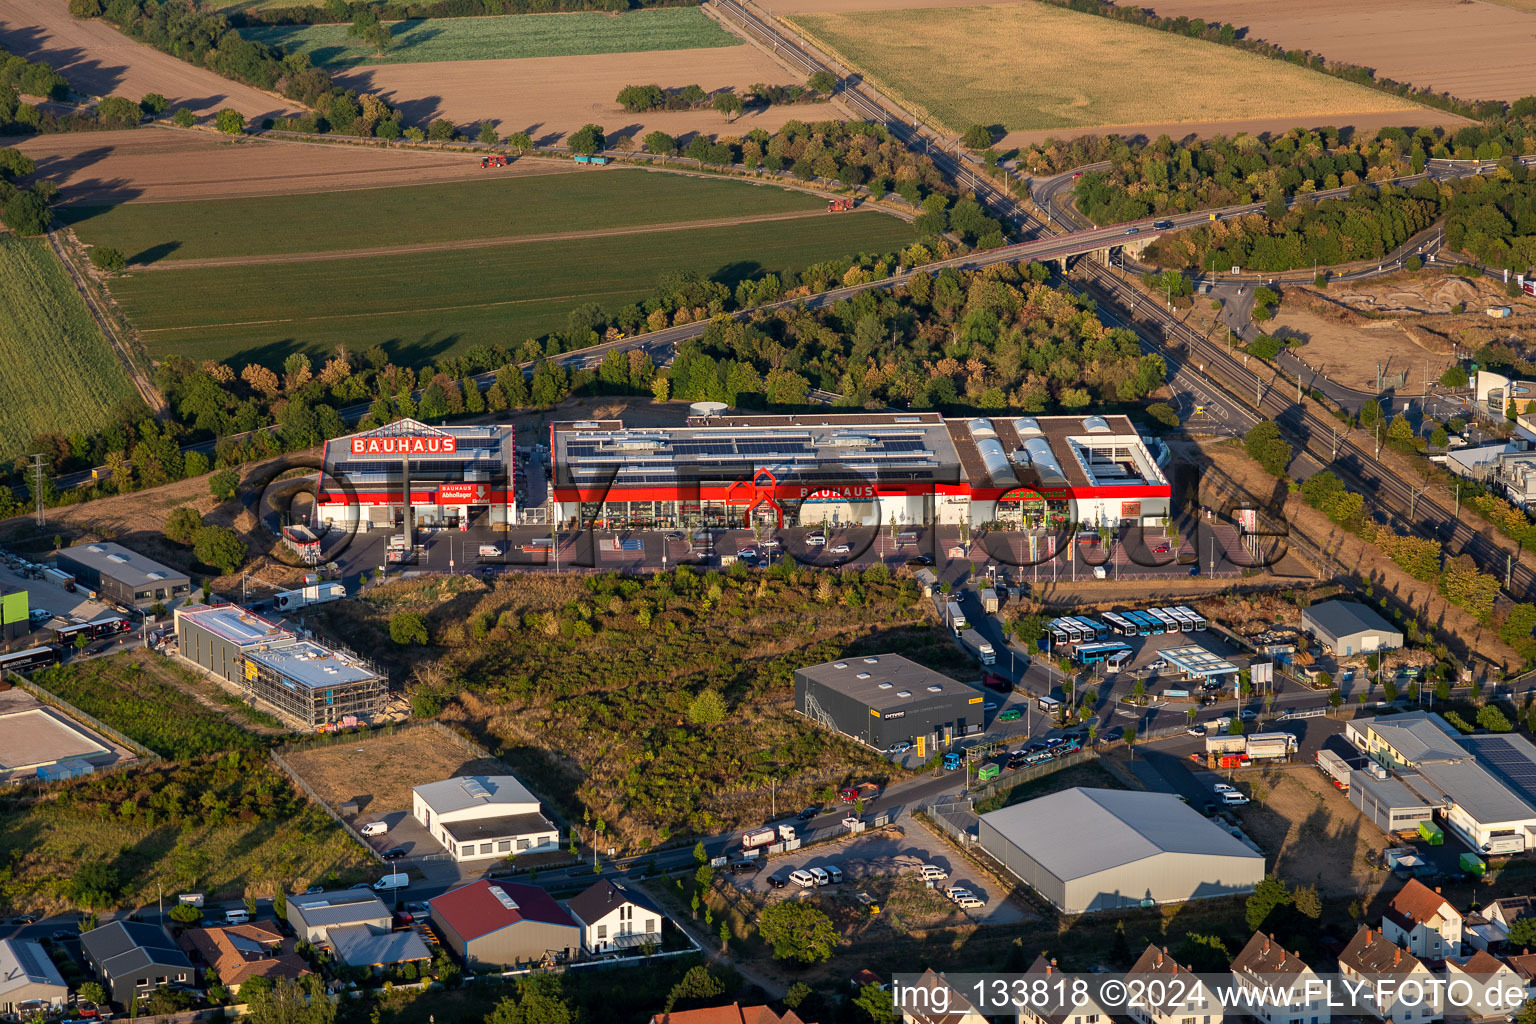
{"x": 98, "y": 60}
{"x": 505, "y": 37}
{"x": 379, "y": 770}
{"x": 1472, "y": 50}
{"x": 549, "y": 97}
{"x": 1024, "y": 70}
{"x": 157, "y": 165}
{"x": 489, "y": 207}
{"x": 1348, "y": 348}
{"x": 58, "y": 373}
{"x": 426, "y": 304}
{"x": 601, "y": 692}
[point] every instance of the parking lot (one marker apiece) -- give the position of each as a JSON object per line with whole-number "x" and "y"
{"x": 876, "y": 857}
{"x": 64, "y": 605}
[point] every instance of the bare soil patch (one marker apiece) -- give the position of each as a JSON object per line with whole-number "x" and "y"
{"x": 1471, "y": 50}
{"x": 379, "y": 771}
{"x": 100, "y": 61}
{"x": 149, "y": 165}
{"x": 1310, "y": 833}
{"x": 1348, "y": 348}
{"x": 549, "y": 97}
{"x": 1428, "y": 292}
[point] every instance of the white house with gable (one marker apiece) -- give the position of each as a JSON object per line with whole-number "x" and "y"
{"x": 478, "y": 817}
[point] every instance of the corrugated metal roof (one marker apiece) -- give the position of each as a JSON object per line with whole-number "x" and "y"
{"x": 480, "y": 908}
{"x": 1080, "y": 832}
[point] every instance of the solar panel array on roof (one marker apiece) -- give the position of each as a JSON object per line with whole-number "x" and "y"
{"x": 1507, "y": 761}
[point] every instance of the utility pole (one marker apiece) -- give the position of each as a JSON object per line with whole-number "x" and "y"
{"x": 1378, "y": 440}
{"x": 37, "y": 487}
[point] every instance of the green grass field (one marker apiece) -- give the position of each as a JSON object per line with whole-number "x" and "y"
{"x": 57, "y": 372}
{"x": 504, "y": 36}
{"x": 423, "y": 305}
{"x": 491, "y": 208}
{"x": 1029, "y": 66}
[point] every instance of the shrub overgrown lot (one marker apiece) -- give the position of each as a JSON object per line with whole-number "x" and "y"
{"x": 428, "y": 305}
{"x": 503, "y": 37}
{"x": 224, "y": 825}
{"x": 1023, "y": 70}
{"x": 133, "y": 696}
{"x": 600, "y": 689}
{"x": 57, "y": 371}
{"x": 422, "y": 214}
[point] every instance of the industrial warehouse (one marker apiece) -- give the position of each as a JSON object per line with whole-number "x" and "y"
{"x": 853, "y": 469}
{"x": 457, "y": 476}
{"x": 304, "y": 681}
{"x": 885, "y": 700}
{"x": 121, "y": 576}
{"x": 1102, "y": 849}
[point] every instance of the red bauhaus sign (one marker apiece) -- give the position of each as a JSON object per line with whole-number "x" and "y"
{"x": 463, "y": 494}
{"x": 404, "y": 445}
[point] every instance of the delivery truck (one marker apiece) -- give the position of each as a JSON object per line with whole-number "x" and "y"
{"x": 1335, "y": 767}
{"x": 320, "y": 593}
{"x": 956, "y": 618}
{"x": 979, "y": 647}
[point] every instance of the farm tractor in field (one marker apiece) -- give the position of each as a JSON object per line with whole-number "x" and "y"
{"x": 495, "y": 160}
{"x": 839, "y": 205}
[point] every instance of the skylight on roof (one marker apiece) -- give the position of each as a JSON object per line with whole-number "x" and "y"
{"x": 506, "y": 901}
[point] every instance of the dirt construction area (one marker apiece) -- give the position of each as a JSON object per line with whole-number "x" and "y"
{"x": 1348, "y": 349}
{"x": 379, "y": 771}
{"x": 166, "y": 165}
{"x": 100, "y": 61}
{"x": 1310, "y": 833}
{"x": 1470, "y": 49}
{"x": 549, "y": 97}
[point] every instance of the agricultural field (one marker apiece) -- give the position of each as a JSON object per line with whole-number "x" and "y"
{"x": 491, "y": 207}
{"x": 1023, "y": 70}
{"x": 432, "y": 300}
{"x": 57, "y": 371}
{"x": 132, "y": 692}
{"x": 1472, "y": 50}
{"x": 504, "y": 37}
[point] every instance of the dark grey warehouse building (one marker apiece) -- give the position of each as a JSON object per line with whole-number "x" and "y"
{"x": 885, "y": 699}
{"x": 123, "y": 577}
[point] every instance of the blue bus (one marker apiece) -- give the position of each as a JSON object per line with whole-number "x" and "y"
{"x": 1149, "y": 625}
{"x": 1100, "y": 631}
{"x": 1093, "y": 654}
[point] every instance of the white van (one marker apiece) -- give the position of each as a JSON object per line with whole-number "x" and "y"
{"x": 968, "y": 902}
{"x": 374, "y": 828}
{"x": 815, "y": 540}
{"x": 822, "y": 878}
{"x": 834, "y": 873}
{"x": 1233, "y": 799}
{"x": 490, "y": 550}
{"x": 933, "y": 873}
{"x": 803, "y": 878}
{"x": 236, "y": 916}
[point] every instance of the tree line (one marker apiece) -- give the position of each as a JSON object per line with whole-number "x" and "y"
{"x": 639, "y": 99}
{"x": 999, "y": 338}
{"x": 335, "y": 11}
{"x": 1367, "y": 225}
{"x": 207, "y": 39}
{"x": 1494, "y": 220}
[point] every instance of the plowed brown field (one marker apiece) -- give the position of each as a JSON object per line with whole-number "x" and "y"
{"x": 549, "y": 97}
{"x": 1472, "y": 50}
{"x": 165, "y": 165}
{"x": 100, "y": 61}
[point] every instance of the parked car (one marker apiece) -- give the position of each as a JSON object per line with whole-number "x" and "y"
{"x": 803, "y": 878}
{"x": 65, "y": 934}
{"x": 932, "y": 872}
{"x": 821, "y": 876}
{"x": 808, "y": 814}
{"x": 779, "y": 879}
{"x": 23, "y": 919}
{"x": 990, "y": 705}
{"x": 1011, "y": 715}
{"x": 393, "y": 853}
{"x": 840, "y": 549}
{"x": 746, "y": 867}
{"x": 1222, "y": 787}
{"x": 314, "y": 889}
{"x": 1196, "y": 730}
{"x": 1247, "y": 715}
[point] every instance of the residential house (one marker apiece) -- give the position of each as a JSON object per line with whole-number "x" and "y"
{"x": 1423, "y": 921}
{"x": 1157, "y": 965}
{"x": 735, "y": 1013}
{"x": 29, "y": 982}
{"x": 240, "y": 952}
{"x": 1067, "y": 1013}
{"x": 132, "y": 959}
{"x": 1491, "y": 981}
{"x": 614, "y": 916}
{"x": 1299, "y": 995}
{"x": 1386, "y": 967}
{"x": 1502, "y": 914}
